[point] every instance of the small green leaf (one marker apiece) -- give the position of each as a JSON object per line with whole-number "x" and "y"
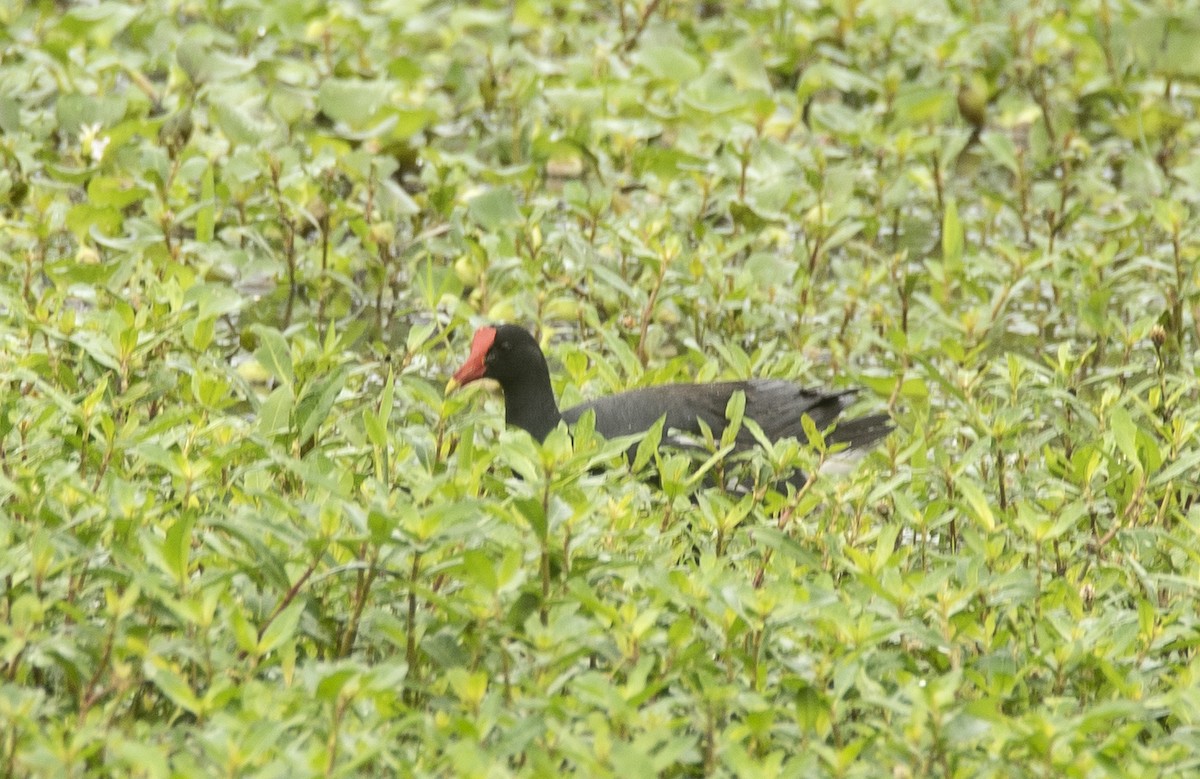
{"x": 532, "y": 511}
{"x": 172, "y": 684}
{"x": 273, "y": 354}
{"x": 92, "y": 401}
{"x": 177, "y": 548}
{"x": 952, "y": 238}
{"x": 281, "y": 629}
{"x": 978, "y": 504}
{"x": 332, "y": 684}
{"x": 735, "y": 409}
{"x": 214, "y": 300}
{"x": 314, "y": 407}
{"x": 206, "y": 215}
{"x": 885, "y": 546}
{"x": 275, "y": 413}
{"x": 243, "y": 632}
{"x": 478, "y": 567}
{"x": 815, "y": 437}
{"x": 1003, "y": 151}
{"x": 1124, "y": 434}
{"x": 470, "y": 687}
{"x": 376, "y": 431}
{"x": 649, "y": 444}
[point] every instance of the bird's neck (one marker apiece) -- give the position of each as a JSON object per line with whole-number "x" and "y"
{"x": 529, "y": 402}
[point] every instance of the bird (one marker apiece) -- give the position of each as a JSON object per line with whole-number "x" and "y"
{"x": 511, "y": 356}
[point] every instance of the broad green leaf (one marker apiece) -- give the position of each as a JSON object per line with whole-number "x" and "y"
{"x": 76, "y": 110}
{"x": 352, "y": 101}
{"x": 495, "y": 209}
{"x": 214, "y": 300}
{"x": 917, "y": 105}
{"x": 668, "y": 62}
{"x": 239, "y": 125}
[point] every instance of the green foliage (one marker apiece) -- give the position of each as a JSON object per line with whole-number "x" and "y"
{"x": 243, "y": 532}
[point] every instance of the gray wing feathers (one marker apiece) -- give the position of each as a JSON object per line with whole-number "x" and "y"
{"x": 775, "y": 404}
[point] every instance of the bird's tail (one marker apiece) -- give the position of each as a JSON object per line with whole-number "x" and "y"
{"x": 860, "y": 432}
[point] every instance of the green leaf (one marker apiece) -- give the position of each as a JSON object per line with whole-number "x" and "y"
{"x": 239, "y": 126}
{"x": 735, "y": 409}
{"x": 203, "y": 63}
{"x": 376, "y": 430}
{"x": 85, "y": 218}
{"x": 387, "y": 398}
{"x": 206, "y": 214}
{"x": 885, "y": 547}
{"x": 243, "y": 632}
{"x": 532, "y": 511}
{"x": 281, "y": 629}
{"x": 353, "y": 102}
{"x": 275, "y": 413}
{"x": 273, "y": 354}
{"x": 1124, "y": 434}
{"x": 698, "y": 475}
{"x": 649, "y": 444}
{"x": 952, "y": 238}
{"x": 918, "y": 105}
{"x": 470, "y": 687}
{"x": 314, "y": 407}
{"x": 171, "y": 684}
{"x": 495, "y": 209}
{"x": 332, "y": 684}
{"x": 978, "y": 504}
{"x": 177, "y": 548}
{"x": 1003, "y": 151}
{"x": 75, "y": 110}
{"x": 668, "y": 62}
{"x": 814, "y": 436}
{"x": 478, "y": 567}
{"x": 214, "y": 300}
{"x": 10, "y": 115}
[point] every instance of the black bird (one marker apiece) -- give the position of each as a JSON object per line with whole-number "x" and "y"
{"x": 511, "y": 356}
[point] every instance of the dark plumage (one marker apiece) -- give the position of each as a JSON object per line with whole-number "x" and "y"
{"x": 511, "y": 356}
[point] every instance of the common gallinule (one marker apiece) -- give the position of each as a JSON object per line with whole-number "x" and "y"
{"x": 511, "y": 356}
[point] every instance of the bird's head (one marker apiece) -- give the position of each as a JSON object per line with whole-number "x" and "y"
{"x": 506, "y": 353}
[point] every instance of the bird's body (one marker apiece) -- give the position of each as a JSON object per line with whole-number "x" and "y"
{"x": 776, "y": 405}
{"x": 511, "y": 356}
